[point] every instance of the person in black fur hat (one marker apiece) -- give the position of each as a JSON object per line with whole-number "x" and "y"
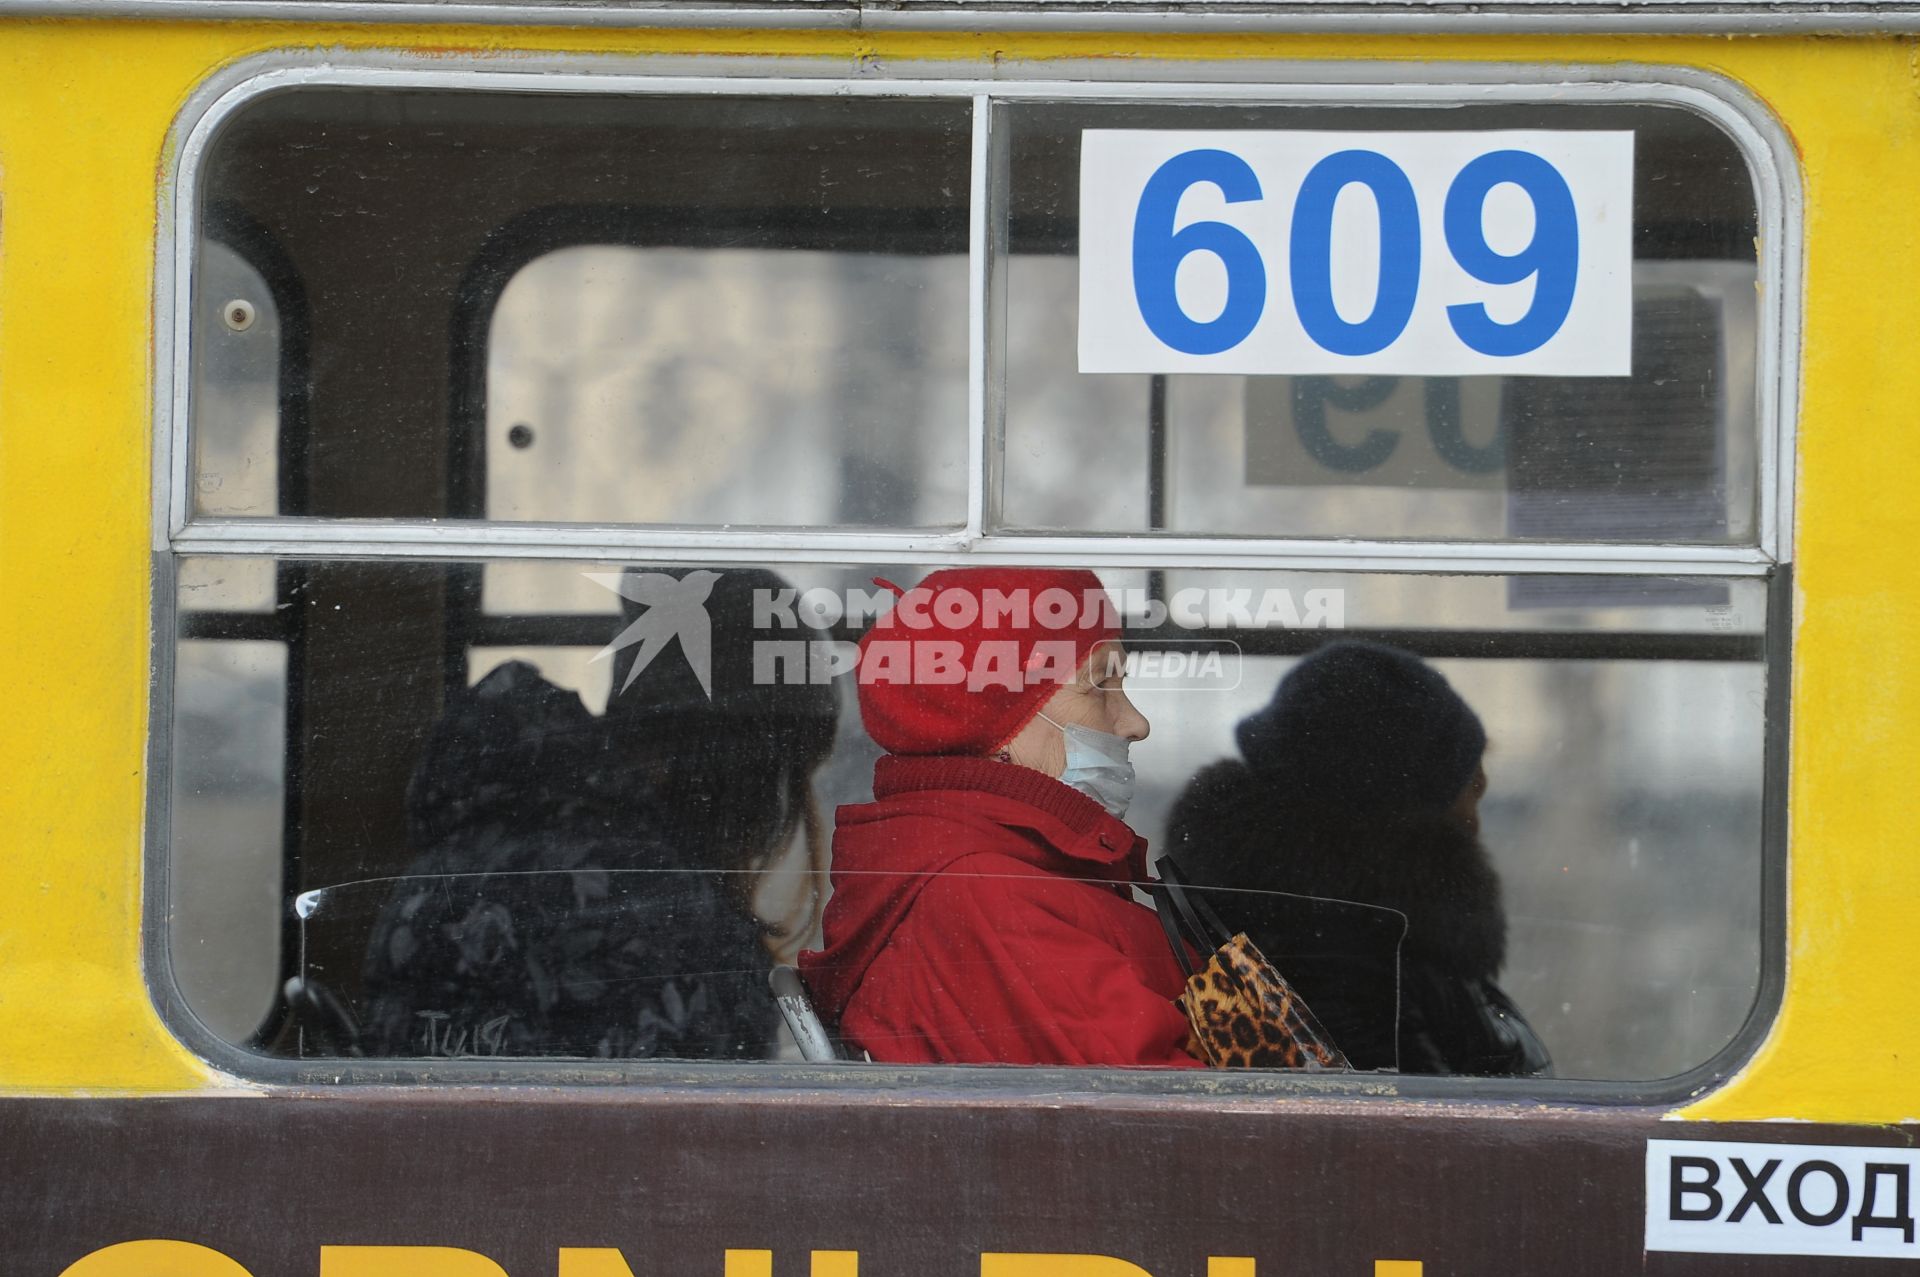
{"x": 1357, "y": 797}
{"x": 585, "y": 885}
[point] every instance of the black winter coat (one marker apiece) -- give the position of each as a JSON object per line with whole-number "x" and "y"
{"x": 546, "y": 914}
{"x": 1393, "y": 933}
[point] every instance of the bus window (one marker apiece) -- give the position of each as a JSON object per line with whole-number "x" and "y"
{"x": 1666, "y": 455}
{"x": 594, "y": 430}
{"x": 625, "y": 384}
{"x": 631, "y": 289}
{"x": 1623, "y": 808}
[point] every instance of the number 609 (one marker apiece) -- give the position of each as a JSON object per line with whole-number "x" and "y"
{"x": 1551, "y": 258}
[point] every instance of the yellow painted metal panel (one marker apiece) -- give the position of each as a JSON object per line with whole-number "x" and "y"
{"x": 85, "y": 109}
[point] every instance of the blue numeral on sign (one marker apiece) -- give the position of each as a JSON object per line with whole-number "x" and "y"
{"x": 1551, "y": 259}
{"x": 1553, "y": 255}
{"x": 1158, "y": 251}
{"x": 1312, "y": 252}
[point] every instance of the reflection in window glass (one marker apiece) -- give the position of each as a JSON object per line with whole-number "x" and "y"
{"x": 236, "y": 386}
{"x": 227, "y": 804}
{"x": 226, "y": 585}
{"x": 1666, "y": 455}
{"x": 1484, "y": 605}
{"x": 511, "y": 587}
{"x": 589, "y": 849}
{"x": 626, "y": 308}
{"x": 664, "y": 385}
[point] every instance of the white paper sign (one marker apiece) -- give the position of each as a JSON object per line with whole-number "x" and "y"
{"x": 1404, "y": 253}
{"x": 1781, "y": 1199}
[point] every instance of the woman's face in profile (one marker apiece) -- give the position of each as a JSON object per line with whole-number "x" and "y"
{"x": 1095, "y": 699}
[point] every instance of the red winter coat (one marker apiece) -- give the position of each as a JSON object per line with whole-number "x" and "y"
{"x": 981, "y": 914}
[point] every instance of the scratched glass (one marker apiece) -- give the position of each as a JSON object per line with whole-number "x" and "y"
{"x": 1666, "y": 455}
{"x": 431, "y": 814}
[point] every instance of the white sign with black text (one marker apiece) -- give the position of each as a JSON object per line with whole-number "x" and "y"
{"x": 1425, "y": 254}
{"x": 1781, "y": 1199}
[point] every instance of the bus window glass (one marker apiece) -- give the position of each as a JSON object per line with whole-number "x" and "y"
{"x": 496, "y": 843}
{"x": 226, "y": 585}
{"x": 1666, "y": 455}
{"x": 590, "y": 309}
{"x": 237, "y": 349}
{"x": 833, "y": 385}
{"x": 437, "y": 792}
{"x": 228, "y": 788}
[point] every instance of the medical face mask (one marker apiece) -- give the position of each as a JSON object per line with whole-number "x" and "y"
{"x": 1097, "y": 766}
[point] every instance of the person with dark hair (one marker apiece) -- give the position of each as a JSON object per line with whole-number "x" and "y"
{"x": 1356, "y": 802}
{"x": 982, "y": 908}
{"x": 585, "y": 885}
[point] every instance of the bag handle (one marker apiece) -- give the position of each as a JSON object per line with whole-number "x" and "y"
{"x": 1184, "y": 918}
{"x": 1202, "y": 923}
{"x": 1216, "y": 931}
{"x": 1181, "y": 953}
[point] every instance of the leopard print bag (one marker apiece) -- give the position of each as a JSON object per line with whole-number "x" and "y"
{"x": 1241, "y": 1012}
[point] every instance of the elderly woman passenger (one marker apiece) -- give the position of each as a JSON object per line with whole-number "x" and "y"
{"x": 982, "y": 908}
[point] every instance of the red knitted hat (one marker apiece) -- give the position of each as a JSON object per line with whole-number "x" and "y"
{"x": 969, "y": 655}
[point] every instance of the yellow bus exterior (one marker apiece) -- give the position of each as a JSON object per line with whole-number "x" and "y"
{"x": 88, "y": 109}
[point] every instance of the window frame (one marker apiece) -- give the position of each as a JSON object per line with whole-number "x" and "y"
{"x": 179, "y": 532}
